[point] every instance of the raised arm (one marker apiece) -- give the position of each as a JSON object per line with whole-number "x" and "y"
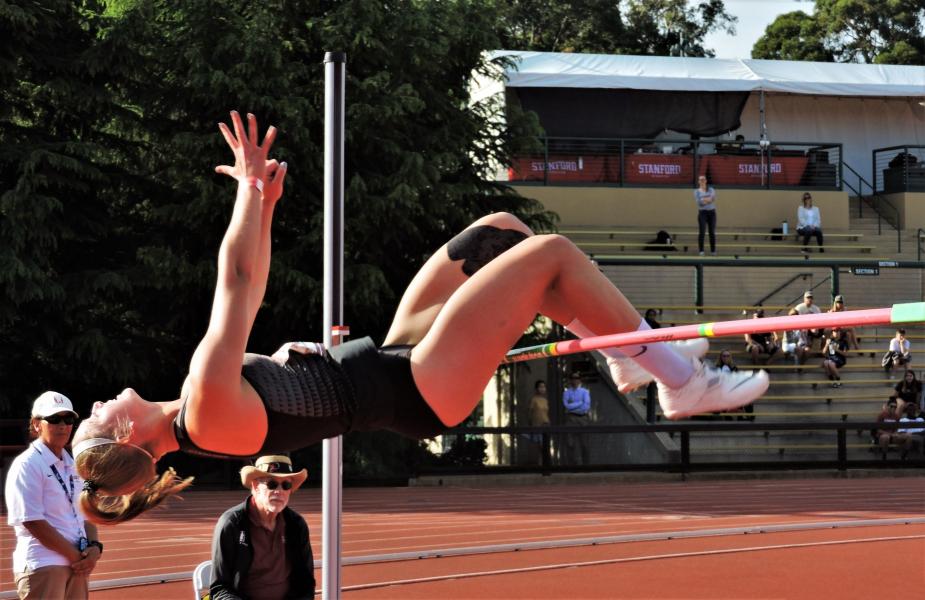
{"x": 214, "y": 386}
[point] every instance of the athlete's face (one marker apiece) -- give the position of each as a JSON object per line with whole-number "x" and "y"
{"x": 105, "y": 415}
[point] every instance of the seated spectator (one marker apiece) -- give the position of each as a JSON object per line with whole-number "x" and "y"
{"x": 834, "y": 356}
{"x": 911, "y": 437}
{"x": 809, "y": 223}
{"x": 650, "y": 319}
{"x": 758, "y": 344}
{"x": 797, "y": 344}
{"x": 838, "y": 305}
{"x": 808, "y": 307}
{"x": 727, "y": 364}
{"x": 909, "y": 391}
{"x": 884, "y": 437}
{"x": 898, "y": 354}
{"x": 260, "y": 548}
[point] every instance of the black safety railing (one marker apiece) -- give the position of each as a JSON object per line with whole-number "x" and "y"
{"x": 899, "y": 169}
{"x": 684, "y": 459}
{"x": 675, "y": 162}
{"x": 878, "y": 203}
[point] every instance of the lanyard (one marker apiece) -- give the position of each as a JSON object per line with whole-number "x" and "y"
{"x": 68, "y": 495}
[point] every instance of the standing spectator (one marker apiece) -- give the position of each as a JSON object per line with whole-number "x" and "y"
{"x": 911, "y": 436}
{"x": 909, "y": 391}
{"x": 650, "y": 318}
{"x": 577, "y": 401}
{"x": 260, "y": 548}
{"x": 56, "y": 550}
{"x": 758, "y": 344}
{"x": 808, "y": 307}
{"x": 809, "y": 223}
{"x": 838, "y": 305}
{"x": 884, "y": 437}
{"x": 539, "y": 414}
{"x": 898, "y": 354}
{"x": 834, "y": 356}
{"x": 706, "y": 213}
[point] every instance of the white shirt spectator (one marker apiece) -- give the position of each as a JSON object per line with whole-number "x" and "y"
{"x": 34, "y": 493}
{"x": 894, "y": 346}
{"x": 803, "y": 309}
{"x": 808, "y": 217}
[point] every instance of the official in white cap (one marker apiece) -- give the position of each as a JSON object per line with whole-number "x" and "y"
{"x": 261, "y": 548}
{"x": 56, "y": 550}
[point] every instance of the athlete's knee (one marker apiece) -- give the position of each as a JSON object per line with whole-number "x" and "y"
{"x": 478, "y": 245}
{"x": 504, "y": 220}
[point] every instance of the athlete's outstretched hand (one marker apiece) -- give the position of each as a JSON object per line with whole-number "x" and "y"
{"x": 250, "y": 157}
{"x": 282, "y": 355}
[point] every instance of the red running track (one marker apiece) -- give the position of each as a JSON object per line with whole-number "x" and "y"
{"x": 808, "y": 561}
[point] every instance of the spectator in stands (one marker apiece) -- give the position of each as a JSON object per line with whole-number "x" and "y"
{"x": 898, "y": 354}
{"x": 884, "y": 437}
{"x": 706, "y": 213}
{"x": 577, "y": 401}
{"x": 797, "y": 344}
{"x": 650, "y": 319}
{"x": 834, "y": 356}
{"x": 758, "y": 344}
{"x": 909, "y": 391}
{"x": 56, "y": 550}
{"x": 838, "y": 305}
{"x": 911, "y": 439}
{"x": 725, "y": 362}
{"x": 808, "y": 307}
{"x": 539, "y": 413}
{"x": 809, "y": 223}
{"x": 260, "y": 548}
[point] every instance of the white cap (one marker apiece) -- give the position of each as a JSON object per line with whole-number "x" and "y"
{"x": 52, "y": 403}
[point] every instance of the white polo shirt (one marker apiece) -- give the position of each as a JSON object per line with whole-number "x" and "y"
{"x": 33, "y": 493}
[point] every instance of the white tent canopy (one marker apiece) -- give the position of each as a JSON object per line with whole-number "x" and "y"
{"x": 556, "y": 69}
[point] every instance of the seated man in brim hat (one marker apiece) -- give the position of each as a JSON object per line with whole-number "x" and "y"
{"x": 260, "y": 548}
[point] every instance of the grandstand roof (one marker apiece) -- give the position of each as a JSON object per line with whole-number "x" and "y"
{"x": 567, "y": 70}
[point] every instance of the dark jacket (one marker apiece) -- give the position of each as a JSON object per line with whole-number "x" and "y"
{"x": 232, "y": 554}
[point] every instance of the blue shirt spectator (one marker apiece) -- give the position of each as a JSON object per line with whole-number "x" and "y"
{"x": 577, "y": 399}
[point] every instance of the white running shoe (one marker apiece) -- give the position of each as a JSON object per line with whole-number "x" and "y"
{"x": 712, "y": 390}
{"x": 629, "y": 375}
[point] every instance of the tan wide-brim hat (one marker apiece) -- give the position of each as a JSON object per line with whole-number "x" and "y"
{"x": 276, "y": 466}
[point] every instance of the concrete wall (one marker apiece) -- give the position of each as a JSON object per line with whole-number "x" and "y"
{"x": 674, "y": 208}
{"x": 911, "y": 206}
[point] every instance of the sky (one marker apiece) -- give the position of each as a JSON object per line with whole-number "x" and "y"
{"x": 754, "y": 16}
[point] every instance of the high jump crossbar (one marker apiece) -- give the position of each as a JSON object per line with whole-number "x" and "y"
{"x": 912, "y": 312}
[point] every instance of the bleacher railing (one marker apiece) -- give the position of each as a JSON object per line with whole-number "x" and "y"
{"x": 899, "y": 169}
{"x": 552, "y": 443}
{"x": 678, "y": 163}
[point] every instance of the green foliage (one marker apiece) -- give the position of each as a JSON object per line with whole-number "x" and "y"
{"x": 639, "y": 27}
{"x": 870, "y": 31}
{"x": 793, "y": 36}
{"x": 111, "y": 214}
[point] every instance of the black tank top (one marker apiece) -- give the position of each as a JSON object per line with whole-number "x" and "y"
{"x": 308, "y": 399}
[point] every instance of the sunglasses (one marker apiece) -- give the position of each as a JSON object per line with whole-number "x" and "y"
{"x": 272, "y": 484}
{"x": 58, "y": 419}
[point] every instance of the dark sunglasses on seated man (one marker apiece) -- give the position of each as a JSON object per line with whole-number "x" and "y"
{"x": 272, "y": 484}
{"x": 58, "y": 419}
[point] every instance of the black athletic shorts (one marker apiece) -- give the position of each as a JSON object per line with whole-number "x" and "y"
{"x": 387, "y": 397}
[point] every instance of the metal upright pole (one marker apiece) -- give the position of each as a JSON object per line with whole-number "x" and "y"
{"x": 334, "y": 69}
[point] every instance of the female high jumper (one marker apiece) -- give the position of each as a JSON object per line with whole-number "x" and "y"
{"x": 463, "y": 311}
